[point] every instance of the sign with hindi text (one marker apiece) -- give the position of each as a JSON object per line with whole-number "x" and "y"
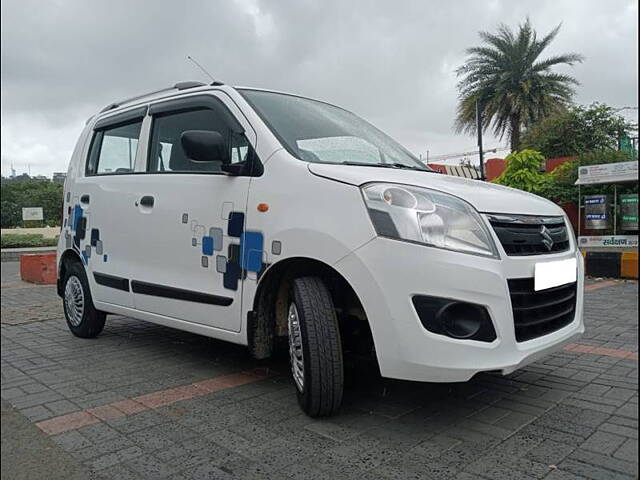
{"x": 616, "y": 241}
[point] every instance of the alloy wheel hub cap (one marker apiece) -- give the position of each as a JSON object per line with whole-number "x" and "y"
{"x": 74, "y": 300}
{"x": 295, "y": 347}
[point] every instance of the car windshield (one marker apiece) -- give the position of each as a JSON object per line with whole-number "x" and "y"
{"x": 321, "y": 133}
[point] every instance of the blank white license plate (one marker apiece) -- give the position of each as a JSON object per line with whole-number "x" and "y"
{"x": 552, "y": 274}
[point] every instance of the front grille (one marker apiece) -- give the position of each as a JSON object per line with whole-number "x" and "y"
{"x": 539, "y": 313}
{"x": 530, "y": 235}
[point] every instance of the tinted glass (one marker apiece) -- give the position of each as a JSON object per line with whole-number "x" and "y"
{"x": 113, "y": 150}
{"x": 318, "y": 132}
{"x": 166, "y": 153}
{"x": 239, "y": 148}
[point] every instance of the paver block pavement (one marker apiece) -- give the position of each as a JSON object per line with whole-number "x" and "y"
{"x": 145, "y": 401}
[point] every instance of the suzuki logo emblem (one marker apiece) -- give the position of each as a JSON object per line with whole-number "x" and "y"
{"x": 546, "y": 237}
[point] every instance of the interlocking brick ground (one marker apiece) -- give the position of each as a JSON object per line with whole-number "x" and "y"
{"x": 136, "y": 396}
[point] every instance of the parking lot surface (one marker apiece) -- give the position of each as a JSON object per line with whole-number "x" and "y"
{"x": 145, "y": 401}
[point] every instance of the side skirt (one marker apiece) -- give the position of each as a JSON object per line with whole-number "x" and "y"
{"x": 206, "y": 330}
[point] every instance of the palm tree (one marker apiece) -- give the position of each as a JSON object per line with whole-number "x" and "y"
{"x": 513, "y": 86}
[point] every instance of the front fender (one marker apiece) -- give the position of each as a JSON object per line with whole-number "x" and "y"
{"x": 311, "y": 243}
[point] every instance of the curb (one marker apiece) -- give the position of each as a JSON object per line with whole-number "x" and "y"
{"x": 611, "y": 264}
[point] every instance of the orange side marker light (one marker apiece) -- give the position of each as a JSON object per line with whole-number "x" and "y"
{"x": 263, "y": 207}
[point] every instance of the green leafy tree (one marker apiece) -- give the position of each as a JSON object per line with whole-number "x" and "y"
{"x": 17, "y": 194}
{"x": 11, "y": 214}
{"x": 514, "y": 86}
{"x": 524, "y": 172}
{"x": 577, "y": 130}
{"x": 561, "y": 187}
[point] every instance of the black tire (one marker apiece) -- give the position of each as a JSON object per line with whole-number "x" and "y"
{"x": 321, "y": 394}
{"x": 92, "y": 320}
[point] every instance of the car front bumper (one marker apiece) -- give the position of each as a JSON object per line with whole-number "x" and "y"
{"x": 386, "y": 274}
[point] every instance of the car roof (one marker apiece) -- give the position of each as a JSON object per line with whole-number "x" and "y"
{"x": 181, "y": 88}
{"x": 161, "y": 93}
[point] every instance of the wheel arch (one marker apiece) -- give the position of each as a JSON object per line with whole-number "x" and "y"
{"x": 67, "y": 257}
{"x": 267, "y": 319}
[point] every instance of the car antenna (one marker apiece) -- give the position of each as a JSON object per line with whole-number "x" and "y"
{"x": 213, "y": 80}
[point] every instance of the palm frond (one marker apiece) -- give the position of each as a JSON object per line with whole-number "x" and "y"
{"x": 567, "y": 58}
{"x": 514, "y": 87}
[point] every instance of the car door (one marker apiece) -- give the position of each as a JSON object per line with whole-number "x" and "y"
{"x": 99, "y": 211}
{"x": 190, "y": 219}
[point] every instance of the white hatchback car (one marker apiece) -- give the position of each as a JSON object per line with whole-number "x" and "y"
{"x": 246, "y": 215}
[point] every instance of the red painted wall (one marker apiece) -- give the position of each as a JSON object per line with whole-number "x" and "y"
{"x": 552, "y": 163}
{"x": 437, "y": 167}
{"x": 493, "y": 168}
{"x": 571, "y": 209}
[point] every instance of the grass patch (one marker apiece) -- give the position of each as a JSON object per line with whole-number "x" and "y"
{"x": 24, "y": 240}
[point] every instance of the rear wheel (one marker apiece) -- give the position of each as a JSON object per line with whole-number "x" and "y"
{"x": 314, "y": 347}
{"x": 82, "y": 318}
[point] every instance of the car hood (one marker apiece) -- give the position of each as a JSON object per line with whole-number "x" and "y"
{"x": 485, "y": 197}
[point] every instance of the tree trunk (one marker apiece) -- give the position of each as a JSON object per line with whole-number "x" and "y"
{"x": 515, "y": 133}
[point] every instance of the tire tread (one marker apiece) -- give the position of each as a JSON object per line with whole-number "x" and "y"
{"x": 93, "y": 320}
{"x": 323, "y": 352}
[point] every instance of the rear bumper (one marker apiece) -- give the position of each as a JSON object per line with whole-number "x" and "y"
{"x": 386, "y": 274}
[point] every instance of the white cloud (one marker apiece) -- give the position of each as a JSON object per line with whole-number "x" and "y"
{"x": 391, "y": 62}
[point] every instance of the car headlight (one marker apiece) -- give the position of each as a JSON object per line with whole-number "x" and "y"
{"x": 427, "y": 216}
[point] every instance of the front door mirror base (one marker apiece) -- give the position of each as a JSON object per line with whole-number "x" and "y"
{"x": 251, "y": 167}
{"x": 236, "y": 169}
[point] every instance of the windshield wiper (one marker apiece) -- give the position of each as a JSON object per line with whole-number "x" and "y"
{"x": 386, "y": 165}
{"x": 408, "y": 167}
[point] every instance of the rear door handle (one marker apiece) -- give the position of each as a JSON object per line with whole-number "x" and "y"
{"x": 146, "y": 201}
{"x": 84, "y": 198}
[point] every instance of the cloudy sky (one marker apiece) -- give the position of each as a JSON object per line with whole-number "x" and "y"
{"x": 392, "y": 62}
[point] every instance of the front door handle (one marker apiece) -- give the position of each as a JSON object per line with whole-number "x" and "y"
{"x": 146, "y": 201}
{"x": 85, "y": 198}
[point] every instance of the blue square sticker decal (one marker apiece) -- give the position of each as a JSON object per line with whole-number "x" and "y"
{"x": 251, "y": 245}
{"x": 207, "y": 245}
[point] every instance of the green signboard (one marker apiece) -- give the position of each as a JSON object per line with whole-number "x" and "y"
{"x": 627, "y": 144}
{"x": 629, "y": 211}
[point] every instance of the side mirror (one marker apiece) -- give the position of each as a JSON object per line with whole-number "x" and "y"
{"x": 204, "y": 146}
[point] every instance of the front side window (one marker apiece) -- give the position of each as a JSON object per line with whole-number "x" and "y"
{"x": 240, "y": 149}
{"x": 318, "y": 132}
{"x": 166, "y": 153}
{"x": 113, "y": 150}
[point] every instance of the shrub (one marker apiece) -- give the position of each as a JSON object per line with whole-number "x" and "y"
{"x": 19, "y": 240}
{"x": 561, "y": 185}
{"x": 524, "y": 172}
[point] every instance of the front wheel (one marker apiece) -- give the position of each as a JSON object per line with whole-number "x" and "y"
{"x": 314, "y": 347}
{"x": 82, "y": 317}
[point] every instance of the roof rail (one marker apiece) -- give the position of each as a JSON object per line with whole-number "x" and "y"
{"x": 178, "y": 86}
{"x": 188, "y": 84}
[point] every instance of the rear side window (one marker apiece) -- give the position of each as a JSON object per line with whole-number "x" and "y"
{"x": 113, "y": 150}
{"x": 166, "y": 153}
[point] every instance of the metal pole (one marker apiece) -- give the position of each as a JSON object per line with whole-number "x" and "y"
{"x": 479, "y": 128}
{"x": 579, "y": 211}
{"x": 579, "y": 203}
{"x": 615, "y": 208}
